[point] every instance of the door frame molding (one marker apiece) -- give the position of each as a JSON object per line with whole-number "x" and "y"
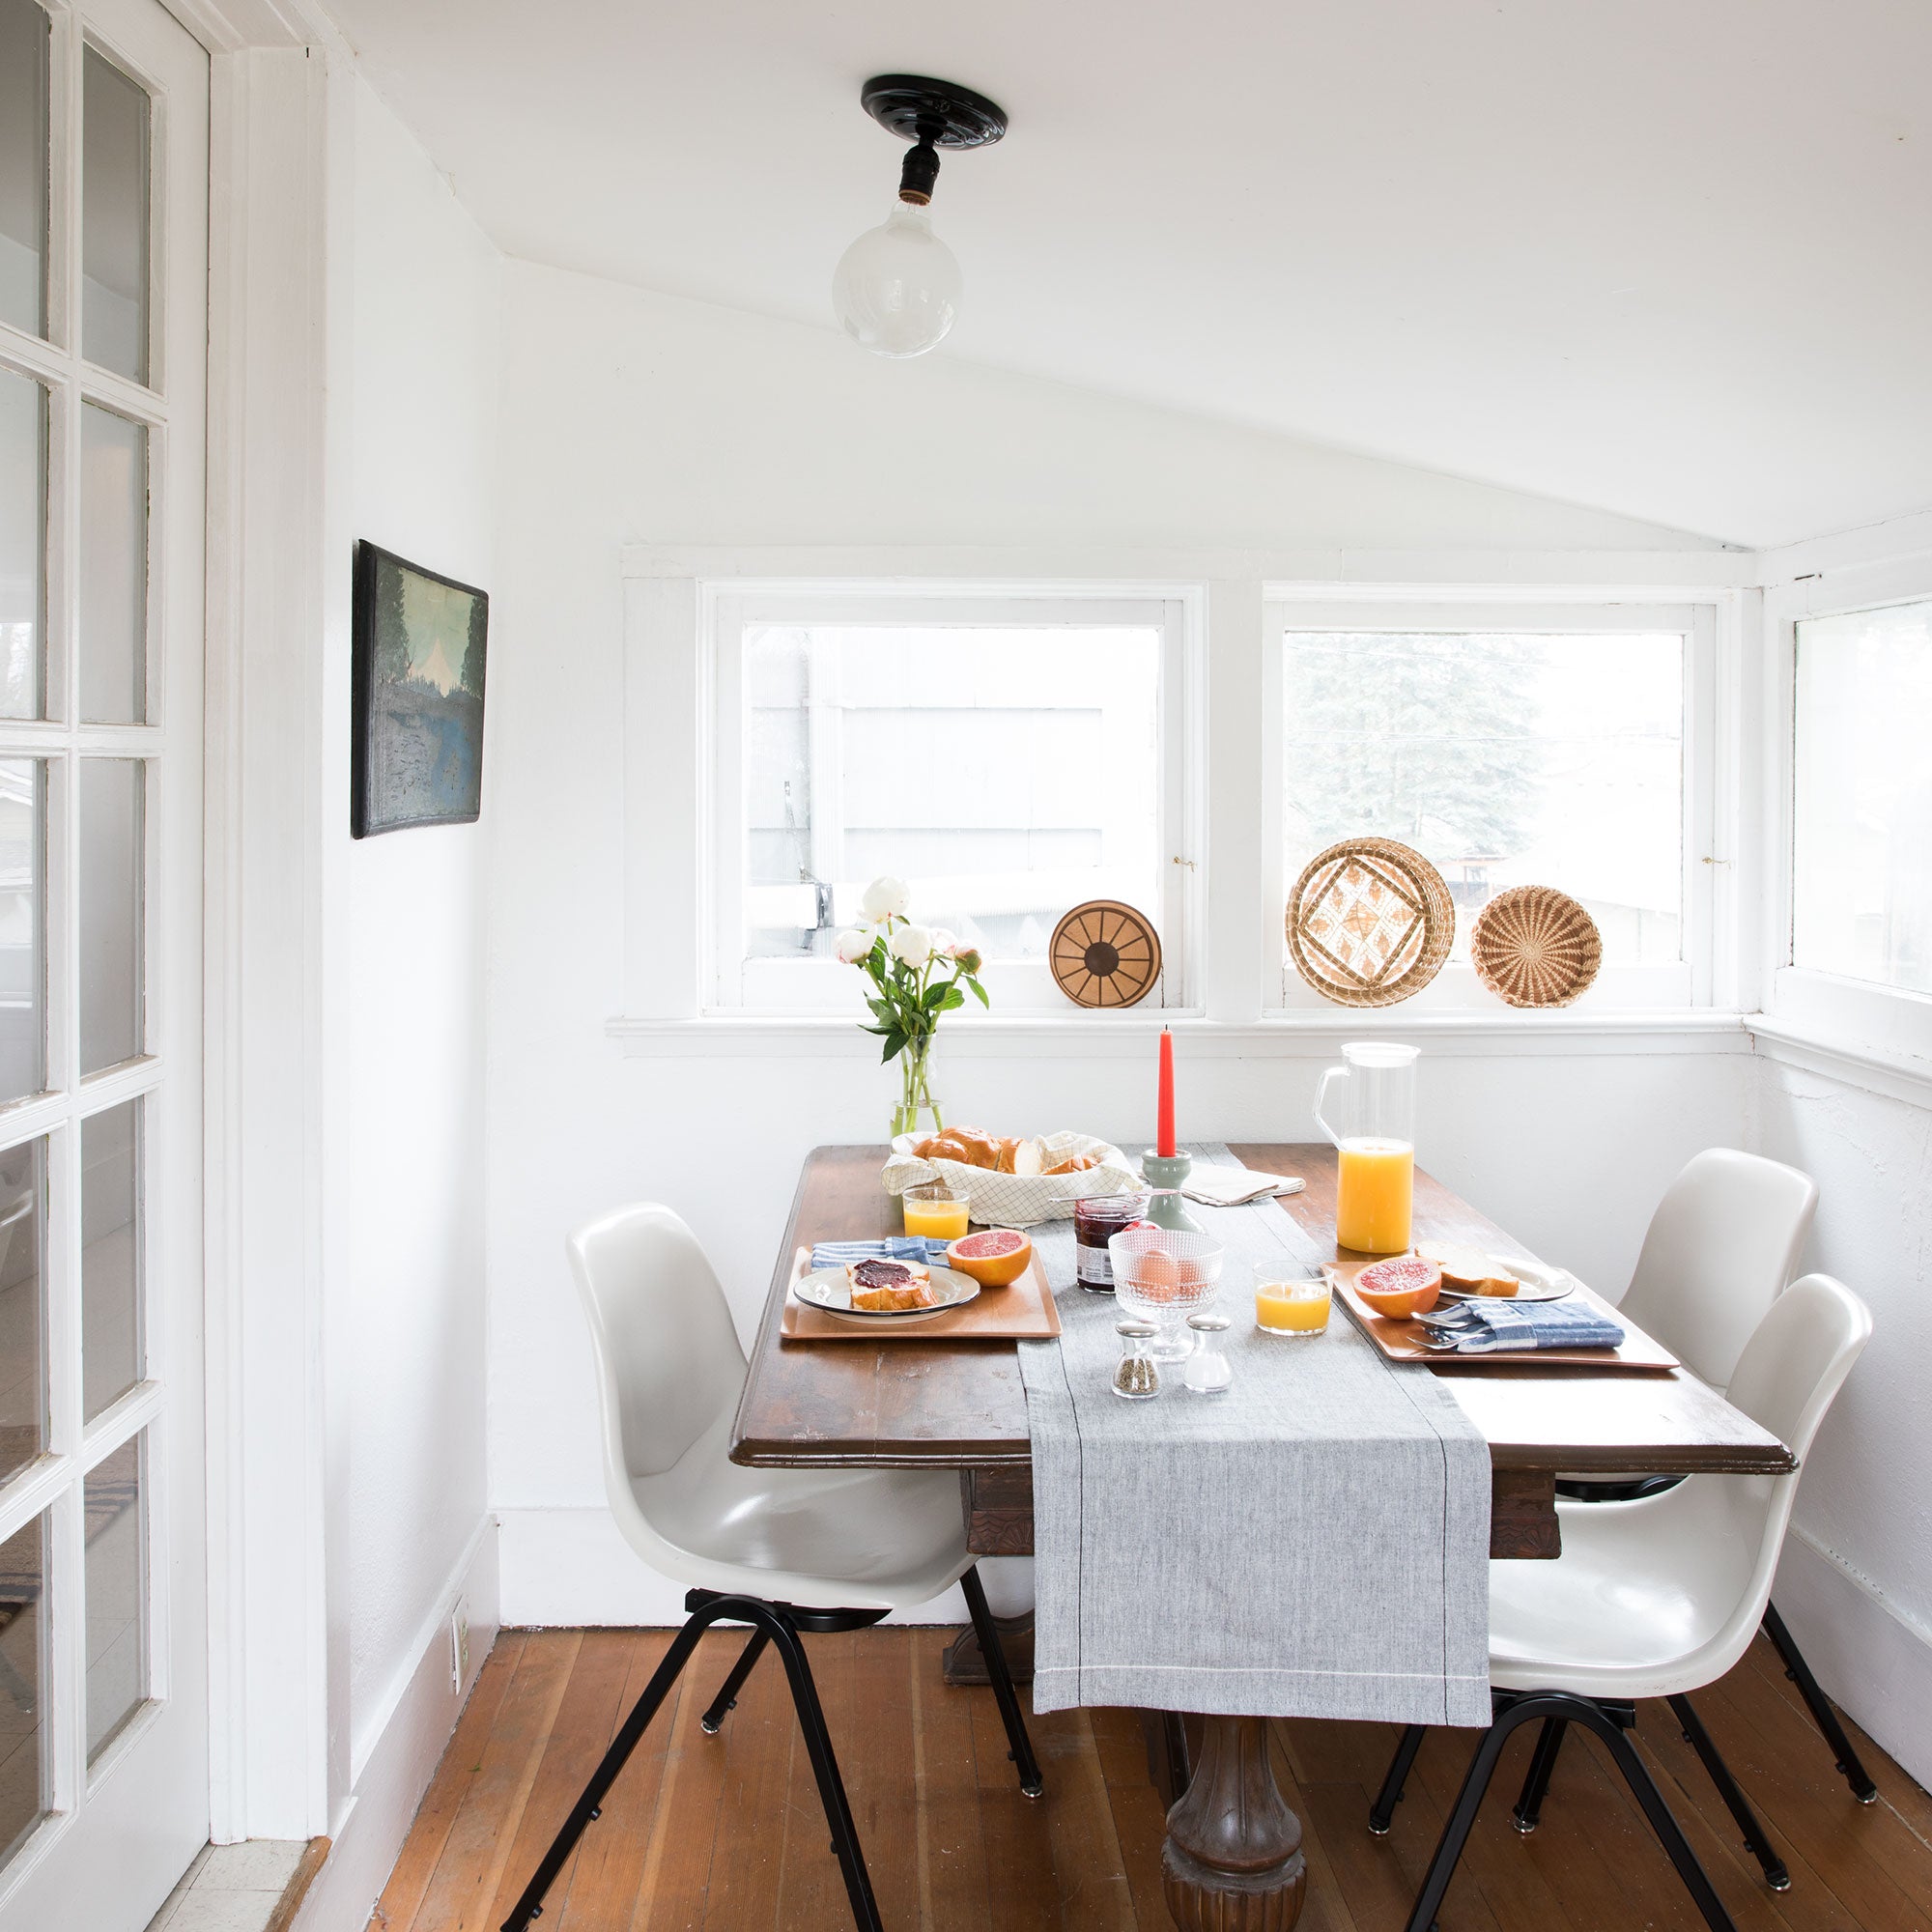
{"x": 276, "y": 1669}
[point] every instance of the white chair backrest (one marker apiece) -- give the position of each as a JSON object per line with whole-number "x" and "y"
{"x": 668, "y": 1363}
{"x": 1722, "y": 1243}
{"x": 1790, "y": 1370}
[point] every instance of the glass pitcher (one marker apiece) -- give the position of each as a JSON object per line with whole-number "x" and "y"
{"x": 1375, "y": 1192}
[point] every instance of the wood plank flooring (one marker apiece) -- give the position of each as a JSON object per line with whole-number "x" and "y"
{"x": 726, "y": 1833}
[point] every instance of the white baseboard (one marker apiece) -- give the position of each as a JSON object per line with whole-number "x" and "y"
{"x": 570, "y": 1568}
{"x": 1870, "y": 1658}
{"x": 395, "y": 1762}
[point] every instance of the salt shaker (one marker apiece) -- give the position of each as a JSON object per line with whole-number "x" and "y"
{"x": 1206, "y": 1371}
{"x": 1136, "y": 1378}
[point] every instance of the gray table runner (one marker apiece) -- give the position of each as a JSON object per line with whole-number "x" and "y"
{"x": 1312, "y": 1543}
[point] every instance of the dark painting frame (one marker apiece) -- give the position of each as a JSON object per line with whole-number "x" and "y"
{"x": 419, "y": 659}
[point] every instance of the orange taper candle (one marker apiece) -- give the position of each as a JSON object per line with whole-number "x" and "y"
{"x": 1163, "y": 1142}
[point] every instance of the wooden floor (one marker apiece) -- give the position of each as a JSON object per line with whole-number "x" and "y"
{"x": 726, "y": 1832}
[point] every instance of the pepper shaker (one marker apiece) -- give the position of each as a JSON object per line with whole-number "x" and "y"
{"x": 1206, "y": 1371}
{"x": 1136, "y": 1376}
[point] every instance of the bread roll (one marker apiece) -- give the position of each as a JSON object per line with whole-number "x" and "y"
{"x": 1468, "y": 1271}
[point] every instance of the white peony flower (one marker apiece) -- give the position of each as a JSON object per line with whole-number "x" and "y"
{"x": 886, "y": 898}
{"x": 852, "y": 945}
{"x": 912, "y": 943}
{"x": 944, "y": 945}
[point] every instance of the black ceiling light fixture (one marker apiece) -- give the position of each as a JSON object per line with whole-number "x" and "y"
{"x": 897, "y": 289}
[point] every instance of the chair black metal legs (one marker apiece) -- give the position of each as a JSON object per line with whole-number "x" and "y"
{"x": 779, "y": 1625}
{"x": 1756, "y": 1842}
{"x": 1819, "y": 1705}
{"x": 1020, "y": 1745}
{"x": 1528, "y": 1812}
{"x": 727, "y": 1699}
{"x": 1609, "y": 1721}
{"x": 1381, "y": 1813}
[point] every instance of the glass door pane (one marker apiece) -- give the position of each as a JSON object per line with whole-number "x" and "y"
{"x": 110, "y": 1256}
{"x": 23, "y": 165}
{"x": 113, "y": 568}
{"x": 114, "y": 218}
{"x": 24, "y": 1306}
{"x": 116, "y": 1590}
{"x": 23, "y": 921}
{"x": 111, "y": 850}
{"x": 23, "y": 1683}
{"x": 23, "y": 539}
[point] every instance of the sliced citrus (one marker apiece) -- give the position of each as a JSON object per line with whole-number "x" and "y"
{"x": 995, "y": 1258}
{"x": 1401, "y": 1285}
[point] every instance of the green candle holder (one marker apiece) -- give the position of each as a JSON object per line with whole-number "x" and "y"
{"x": 1166, "y": 1174}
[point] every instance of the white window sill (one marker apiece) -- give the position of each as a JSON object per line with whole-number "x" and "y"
{"x": 1125, "y": 1036}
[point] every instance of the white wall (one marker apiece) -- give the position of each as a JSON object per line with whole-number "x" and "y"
{"x": 635, "y": 418}
{"x": 403, "y": 957}
{"x": 1856, "y": 1581}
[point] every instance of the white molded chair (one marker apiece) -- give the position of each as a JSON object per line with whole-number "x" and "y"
{"x": 1724, "y": 1241}
{"x": 784, "y": 1550}
{"x": 1651, "y": 1598}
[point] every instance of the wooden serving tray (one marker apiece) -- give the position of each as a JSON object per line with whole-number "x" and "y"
{"x": 1022, "y": 1313}
{"x": 1402, "y": 1341}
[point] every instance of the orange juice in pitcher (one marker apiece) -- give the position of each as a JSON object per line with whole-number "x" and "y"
{"x": 1375, "y": 1194}
{"x": 1374, "y": 1191}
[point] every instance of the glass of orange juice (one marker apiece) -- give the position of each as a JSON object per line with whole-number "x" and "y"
{"x": 935, "y": 1211}
{"x": 1291, "y": 1307}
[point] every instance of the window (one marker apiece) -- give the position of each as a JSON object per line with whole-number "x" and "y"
{"x": 1545, "y": 751}
{"x": 1007, "y": 757}
{"x": 1862, "y": 797}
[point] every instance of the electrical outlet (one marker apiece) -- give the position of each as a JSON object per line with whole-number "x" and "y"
{"x": 459, "y": 1646}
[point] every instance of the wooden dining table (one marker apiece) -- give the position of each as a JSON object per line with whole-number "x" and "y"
{"x": 1232, "y": 1856}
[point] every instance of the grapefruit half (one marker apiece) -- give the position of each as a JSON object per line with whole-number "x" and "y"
{"x": 1406, "y": 1285}
{"x": 995, "y": 1258}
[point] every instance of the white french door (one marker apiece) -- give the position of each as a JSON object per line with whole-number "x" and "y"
{"x": 103, "y": 1668}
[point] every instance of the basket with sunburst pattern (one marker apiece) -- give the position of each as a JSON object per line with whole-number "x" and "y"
{"x": 1533, "y": 945}
{"x": 1369, "y": 921}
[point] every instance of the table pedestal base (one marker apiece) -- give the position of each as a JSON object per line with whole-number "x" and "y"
{"x": 1232, "y": 1858}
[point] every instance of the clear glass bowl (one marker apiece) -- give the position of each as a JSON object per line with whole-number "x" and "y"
{"x": 1164, "y": 1277}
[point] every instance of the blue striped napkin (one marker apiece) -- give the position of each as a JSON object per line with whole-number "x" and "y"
{"x": 1485, "y": 1328}
{"x": 889, "y": 1248}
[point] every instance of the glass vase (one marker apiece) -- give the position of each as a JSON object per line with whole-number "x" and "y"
{"x": 918, "y": 1110}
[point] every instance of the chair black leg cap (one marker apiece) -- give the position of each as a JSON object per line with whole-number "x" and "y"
{"x": 1779, "y": 1880}
{"x": 1037, "y": 1789}
{"x": 1525, "y": 1826}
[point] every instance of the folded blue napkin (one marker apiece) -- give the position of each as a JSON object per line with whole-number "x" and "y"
{"x": 1485, "y": 1328}
{"x": 888, "y": 1248}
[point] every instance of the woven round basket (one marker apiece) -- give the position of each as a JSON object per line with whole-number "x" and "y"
{"x": 1369, "y": 921}
{"x": 1533, "y": 945}
{"x": 1104, "y": 953}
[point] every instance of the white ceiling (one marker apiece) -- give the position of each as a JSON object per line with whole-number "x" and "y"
{"x": 1671, "y": 258}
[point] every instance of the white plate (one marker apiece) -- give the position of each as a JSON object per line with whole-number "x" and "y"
{"x": 1539, "y": 1283}
{"x": 829, "y": 1291}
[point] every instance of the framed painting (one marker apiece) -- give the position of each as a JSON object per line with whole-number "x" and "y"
{"x": 420, "y": 644}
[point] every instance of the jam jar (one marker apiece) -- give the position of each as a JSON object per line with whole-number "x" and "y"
{"x": 1096, "y": 1219}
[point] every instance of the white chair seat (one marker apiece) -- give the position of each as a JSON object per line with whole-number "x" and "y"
{"x": 852, "y": 1539}
{"x": 1643, "y": 1601}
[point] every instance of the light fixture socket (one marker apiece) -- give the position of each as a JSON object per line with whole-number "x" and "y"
{"x": 931, "y": 114}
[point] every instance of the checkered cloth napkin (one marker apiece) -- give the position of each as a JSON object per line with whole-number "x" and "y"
{"x": 888, "y": 1248}
{"x": 1496, "y": 1324}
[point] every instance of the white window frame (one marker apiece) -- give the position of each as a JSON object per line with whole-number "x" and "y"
{"x": 1831, "y": 1006}
{"x": 1709, "y": 706}
{"x": 731, "y": 985}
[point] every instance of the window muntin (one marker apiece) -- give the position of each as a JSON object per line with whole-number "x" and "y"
{"x": 1862, "y": 796}
{"x": 1506, "y": 758}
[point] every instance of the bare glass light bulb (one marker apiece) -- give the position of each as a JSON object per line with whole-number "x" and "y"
{"x": 897, "y": 289}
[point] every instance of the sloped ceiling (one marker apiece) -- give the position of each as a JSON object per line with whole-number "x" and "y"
{"x": 1670, "y": 258}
